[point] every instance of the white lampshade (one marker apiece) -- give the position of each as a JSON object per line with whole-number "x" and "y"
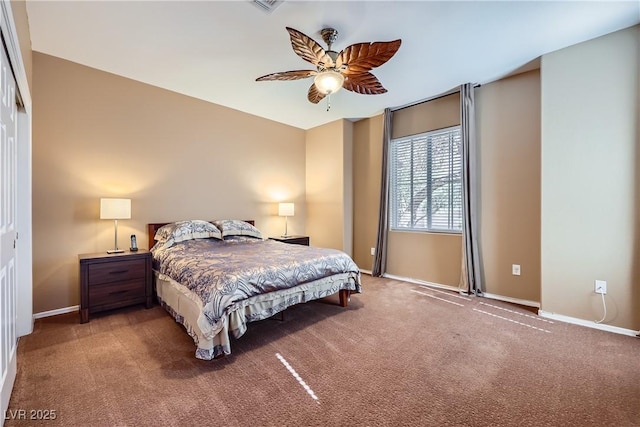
{"x": 285, "y": 209}
{"x": 115, "y": 208}
{"x": 328, "y": 82}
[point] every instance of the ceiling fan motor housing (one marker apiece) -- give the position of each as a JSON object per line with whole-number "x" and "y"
{"x": 329, "y": 35}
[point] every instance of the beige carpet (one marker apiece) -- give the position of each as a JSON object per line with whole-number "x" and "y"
{"x": 399, "y": 355}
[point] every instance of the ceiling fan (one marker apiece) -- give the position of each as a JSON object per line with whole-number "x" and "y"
{"x": 334, "y": 70}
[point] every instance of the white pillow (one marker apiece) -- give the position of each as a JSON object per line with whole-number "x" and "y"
{"x": 235, "y": 227}
{"x": 186, "y": 230}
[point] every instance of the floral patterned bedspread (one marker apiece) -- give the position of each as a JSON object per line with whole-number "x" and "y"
{"x": 222, "y": 272}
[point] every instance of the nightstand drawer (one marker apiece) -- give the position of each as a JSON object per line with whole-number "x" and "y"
{"x": 115, "y": 293}
{"x": 116, "y": 272}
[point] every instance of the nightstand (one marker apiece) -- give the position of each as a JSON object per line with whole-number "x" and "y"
{"x": 295, "y": 240}
{"x": 109, "y": 281}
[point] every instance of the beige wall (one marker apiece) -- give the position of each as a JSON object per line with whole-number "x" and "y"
{"x": 508, "y": 120}
{"x": 328, "y": 185}
{"x": 20, "y": 18}
{"x": 590, "y": 144}
{"x": 435, "y": 114}
{"x": 431, "y": 257}
{"x": 367, "y": 163}
{"x": 99, "y": 135}
{"x": 347, "y": 176}
{"x": 508, "y": 137}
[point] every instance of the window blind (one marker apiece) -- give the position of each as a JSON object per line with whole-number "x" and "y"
{"x": 426, "y": 181}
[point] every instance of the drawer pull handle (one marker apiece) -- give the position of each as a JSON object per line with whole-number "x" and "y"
{"x": 118, "y": 271}
{"x": 118, "y": 292}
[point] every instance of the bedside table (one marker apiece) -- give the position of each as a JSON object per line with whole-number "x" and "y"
{"x": 295, "y": 240}
{"x": 109, "y": 281}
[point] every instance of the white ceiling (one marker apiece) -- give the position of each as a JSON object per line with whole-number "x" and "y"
{"x": 214, "y": 50}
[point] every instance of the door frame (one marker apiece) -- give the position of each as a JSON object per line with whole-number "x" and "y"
{"x": 24, "y": 258}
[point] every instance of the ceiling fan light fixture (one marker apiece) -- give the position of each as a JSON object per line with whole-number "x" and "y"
{"x": 350, "y": 68}
{"x": 328, "y": 82}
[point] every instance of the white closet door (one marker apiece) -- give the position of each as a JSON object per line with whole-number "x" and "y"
{"x": 8, "y": 190}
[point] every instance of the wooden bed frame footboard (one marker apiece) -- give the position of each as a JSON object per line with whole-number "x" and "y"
{"x": 345, "y": 294}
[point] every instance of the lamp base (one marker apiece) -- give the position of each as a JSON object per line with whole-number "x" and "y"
{"x": 116, "y": 251}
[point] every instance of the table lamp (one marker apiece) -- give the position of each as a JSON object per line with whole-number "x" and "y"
{"x": 115, "y": 209}
{"x": 286, "y": 210}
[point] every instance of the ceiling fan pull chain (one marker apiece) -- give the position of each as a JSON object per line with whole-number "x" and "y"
{"x": 328, "y": 102}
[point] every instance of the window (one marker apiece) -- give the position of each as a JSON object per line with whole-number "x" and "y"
{"x": 426, "y": 181}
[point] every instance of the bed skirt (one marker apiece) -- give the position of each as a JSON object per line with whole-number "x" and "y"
{"x": 186, "y": 308}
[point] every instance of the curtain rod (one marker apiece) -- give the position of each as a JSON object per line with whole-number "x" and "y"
{"x": 433, "y": 98}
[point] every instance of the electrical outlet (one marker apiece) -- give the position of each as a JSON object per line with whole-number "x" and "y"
{"x": 515, "y": 269}
{"x": 601, "y": 287}
{"x": 373, "y": 251}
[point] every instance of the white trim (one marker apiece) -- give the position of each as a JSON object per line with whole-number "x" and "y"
{"x": 512, "y": 300}
{"x": 24, "y": 300}
{"x": 587, "y": 323}
{"x": 24, "y": 248}
{"x": 458, "y": 290}
{"x": 422, "y": 282}
{"x": 366, "y": 272}
{"x": 57, "y": 311}
{"x": 24, "y": 252}
{"x": 15, "y": 56}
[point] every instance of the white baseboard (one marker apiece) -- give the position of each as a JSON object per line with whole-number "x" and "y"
{"x": 512, "y": 300}
{"x": 587, "y": 323}
{"x": 541, "y": 313}
{"x": 421, "y": 282}
{"x": 56, "y": 312}
{"x": 457, "y": 290}
{"x": 366, "y": 272}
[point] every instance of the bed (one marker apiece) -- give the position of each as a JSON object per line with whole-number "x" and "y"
{"x": 215, "y": 277}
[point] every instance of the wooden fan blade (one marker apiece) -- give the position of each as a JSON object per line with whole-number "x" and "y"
{"x": 288, "y": 75}
{"x": 365, "y": 84}
{"x": 308, "y": 49}
{"x": 314, "y": 94}
{"x": 362, "y": 57}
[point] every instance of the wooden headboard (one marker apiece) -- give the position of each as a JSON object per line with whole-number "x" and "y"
{"x": 153, "y": 227}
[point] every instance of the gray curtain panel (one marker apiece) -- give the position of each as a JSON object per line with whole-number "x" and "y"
{"x": 380, "y": 257}
{"x": 470, "y": 278}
